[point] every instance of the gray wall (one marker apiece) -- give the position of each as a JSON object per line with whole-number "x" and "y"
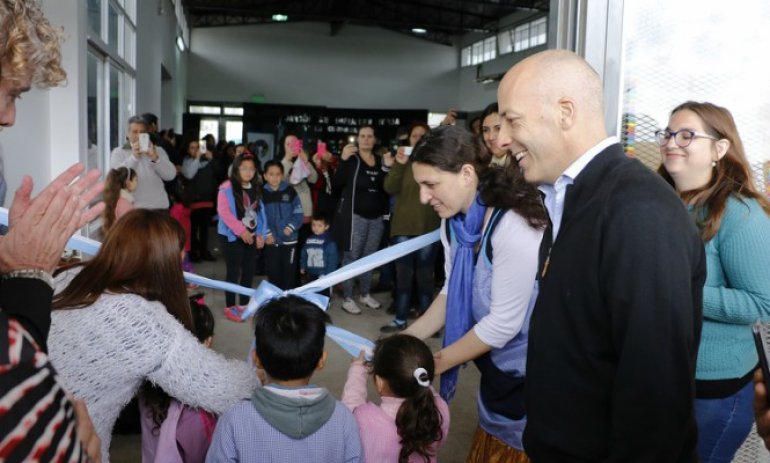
{"x": 301, "y": 63}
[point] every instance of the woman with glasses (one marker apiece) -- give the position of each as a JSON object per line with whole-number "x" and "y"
{"x": 703, "y": 158}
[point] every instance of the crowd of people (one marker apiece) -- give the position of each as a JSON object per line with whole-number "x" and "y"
{"x": 622, "y": 298}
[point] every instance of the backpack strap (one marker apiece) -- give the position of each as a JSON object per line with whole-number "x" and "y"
{"x": 486, "y": 240}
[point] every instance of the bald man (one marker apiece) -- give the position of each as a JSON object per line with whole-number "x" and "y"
{"x": 614, "y": 333}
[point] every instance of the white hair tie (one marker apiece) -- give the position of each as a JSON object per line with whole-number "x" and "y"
{"x": 418, "y": 375}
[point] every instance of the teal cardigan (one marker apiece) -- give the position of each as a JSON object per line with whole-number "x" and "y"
{"x": 737, "y": 291}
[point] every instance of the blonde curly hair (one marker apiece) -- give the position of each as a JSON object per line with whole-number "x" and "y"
{"x": 29, "y": 45}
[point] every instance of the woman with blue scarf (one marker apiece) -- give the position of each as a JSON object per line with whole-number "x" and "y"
{"x": 491, "y": 226}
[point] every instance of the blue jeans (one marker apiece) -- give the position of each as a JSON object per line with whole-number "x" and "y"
{"x": 418, "y": 264}
{"x": 723, "y": 424}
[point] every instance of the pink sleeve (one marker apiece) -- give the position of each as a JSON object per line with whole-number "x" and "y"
{"x": 443, "y": 410}
{"x": 354, "y": 392}
{"x": 122, "y": 207}
{"x": 223, "y": 209}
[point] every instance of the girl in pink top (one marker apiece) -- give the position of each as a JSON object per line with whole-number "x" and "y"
{"x": 117, "y": 195}
{"x": 412, "y": 421}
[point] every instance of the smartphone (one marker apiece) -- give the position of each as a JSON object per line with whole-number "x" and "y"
{"x": 352, "y": 139}
{"x": 461, "y": 115}
{"x": 202, "y": 147}
{"x": 761, "y": 332}
{"x": 320, "y": 149}
{"x": 144, "y": 142}
{"x": 296, "y": 146}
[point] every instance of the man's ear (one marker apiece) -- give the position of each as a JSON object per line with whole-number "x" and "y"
{"x": 566, "y": 113}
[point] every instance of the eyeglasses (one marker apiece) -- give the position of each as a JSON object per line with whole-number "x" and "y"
{"x": 682, "y": 137}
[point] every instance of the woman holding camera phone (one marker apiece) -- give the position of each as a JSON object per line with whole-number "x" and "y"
{"x": 703, "y": 159}
{"x": 410, "y": 219}
{"x": 150, "y": 162}
{"x": 295, "y": 157}
{"x": 358, "y": 224}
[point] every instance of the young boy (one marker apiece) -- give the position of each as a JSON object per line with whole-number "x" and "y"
{"x": 288, "y": 419}
{"x": 319, "y": 255}
{"x": 284, "y": 215}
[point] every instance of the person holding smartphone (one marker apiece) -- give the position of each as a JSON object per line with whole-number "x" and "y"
{"x": 149, "y": 161}
{"x": 199, "y": 169}
{"x": 358, "y": 223}
{"x": 300, "y": 174}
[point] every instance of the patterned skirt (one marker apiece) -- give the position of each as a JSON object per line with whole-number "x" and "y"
{"x": 489, "y": 449}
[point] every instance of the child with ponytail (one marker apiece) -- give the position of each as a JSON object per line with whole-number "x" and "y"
{"x": 118, "y": 200}
{"x": 412, "y": 421}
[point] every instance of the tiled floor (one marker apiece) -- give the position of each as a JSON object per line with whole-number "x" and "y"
{"x": 232, "y": 340}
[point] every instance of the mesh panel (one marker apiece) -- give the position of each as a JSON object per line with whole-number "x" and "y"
{"x": 696, "y": 50}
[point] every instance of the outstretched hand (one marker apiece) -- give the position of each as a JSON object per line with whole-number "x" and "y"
{"x": 40, "y": 227}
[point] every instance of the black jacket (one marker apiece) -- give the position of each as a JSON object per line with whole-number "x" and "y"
{"x": 614, "y": 333}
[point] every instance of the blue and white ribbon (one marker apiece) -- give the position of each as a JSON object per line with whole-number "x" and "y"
{"x": 351, "y": 342}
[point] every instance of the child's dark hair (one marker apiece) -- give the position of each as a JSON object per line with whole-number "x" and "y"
{"x": 156, "y": 399}
{"x": 395, "y": 360}
{"x": 289, "y": 334}
{"x": 272, "y": 163}
{"x": 237, "y": 185}
{"x": 320, "y": 217}
{"x": 116, "y": 180}
{"x": 203, "y": 319}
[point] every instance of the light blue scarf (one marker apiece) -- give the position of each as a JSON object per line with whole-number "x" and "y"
{"x": 466, "y": 229}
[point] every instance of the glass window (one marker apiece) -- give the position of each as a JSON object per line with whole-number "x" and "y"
{"x": 521, "y": 38}
{"x": 538, "y": 32}
{"x": 694, "y": 64}
{"x": 93, "y": 161}
{"x": 490, "y": 48}
{"x": 94, "y": 8}
{"x": 209, "y": 126}
{"x": 231, "y": 111}
{"x": 200, "y": 109}
{"x": 114, "y": 104}
{"x": 465, "y": 56}
{"x": 234, "y": 131}
{"x": 112, "y": 28}
{"x": 128, "y": 44}
{"x": 478, "y": 53}
{"x": 504, "y": 44}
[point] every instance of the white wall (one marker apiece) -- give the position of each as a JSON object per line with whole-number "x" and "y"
{"x": 301, "y": 63}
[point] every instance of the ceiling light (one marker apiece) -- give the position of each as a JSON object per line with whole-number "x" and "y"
{"x": 280, "y": 17}
{"x": 419, "y": 30}
{"x": 180, "y": 43}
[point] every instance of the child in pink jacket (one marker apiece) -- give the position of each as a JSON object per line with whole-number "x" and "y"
{"x": 412, "y": 421}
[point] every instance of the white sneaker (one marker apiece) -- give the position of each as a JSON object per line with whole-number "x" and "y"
{"x": 370, "y": 302}
{"x": 350, "y": 306}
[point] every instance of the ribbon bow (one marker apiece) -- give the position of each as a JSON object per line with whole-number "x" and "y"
{"x": 267, "y": 291}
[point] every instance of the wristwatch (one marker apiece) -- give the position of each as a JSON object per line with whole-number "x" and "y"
{"x": 30, "y": 273}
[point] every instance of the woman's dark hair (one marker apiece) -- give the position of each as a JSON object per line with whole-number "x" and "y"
{"x": 418, "y": 421}
{"x": 490, "y": 109}
{"x": 140, "y": 255}
{"x": 237, "y": 185}
{"x": 156, "y": 399}
{"x": 730, "y": 177}
{"x": 116, "y": 181}
{"x": 282, "y": 148}
{"x": 414, "y": 125}
{"x": 289, "y": 333}
{"x": 450, "y": 147}
{"x": 188, "y": 140}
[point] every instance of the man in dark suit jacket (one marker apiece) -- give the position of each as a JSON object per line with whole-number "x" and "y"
{"x": 614, "y": 333}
